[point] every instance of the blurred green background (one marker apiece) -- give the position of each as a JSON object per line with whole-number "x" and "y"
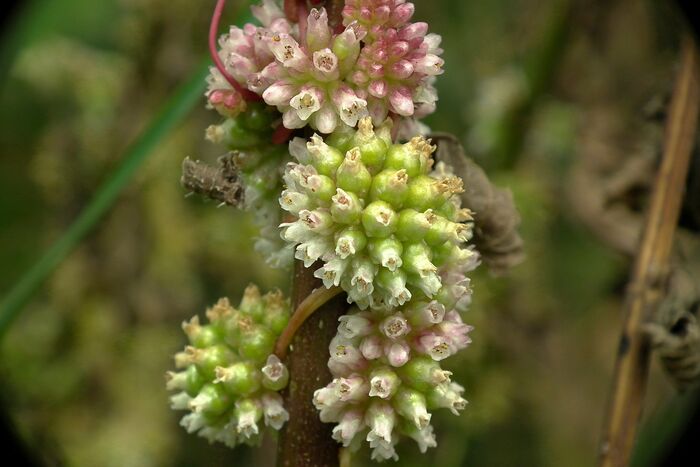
{"x": 532, "y": 88}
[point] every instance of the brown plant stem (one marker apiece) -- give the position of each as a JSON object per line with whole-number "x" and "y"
{"x": 646, "y": 286}
{"x": 305, "y": 441}
{"x": 306, "y": 308}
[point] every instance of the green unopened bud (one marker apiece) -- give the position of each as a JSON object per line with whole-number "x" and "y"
{"x": 416, "y": 258}
{"x": 451, "y": 211}
{"x": 252, "y": 303}
{"x": 241, "y": 378}
{"x": 257, "y": 117}
{"x": 326, "y": 159}
{"x": 211, "y": 400}
{"x": 346, "y": 47}
{"x": 400, "y": 156}
{"x": 200, "y": 336}
{"x": 387, "y": 252}
{"x": 209, "y": 358}
{"x": 233, "y": 134}
{"x": 234, "y": 325}
{"x": 188, "y": 380}
{"x": 421, "y": 314}
{"x": 220, "y": 312}
{"x": 256, "y": 343}
{"x": 412, "y": 225}
{"x": 440, "y": 229}
{"x": 390, "y": 186}
{"x": 444, "y": 252}
{"x": 275, "y": 374}
{"x": 446, "y": 298}
{"x": 394, "y": 284}
{"x": 352, "y": 175}
{"x": 448, "y": 396}
{"x": 411, "y": 404}
{"x": 346, "y": 208}
{"x": 341, "y": 138}
{"x": 383, "y": 131}
{"x": 372, "y": 148}
{"x": 276, "y": 314}
{"x": 414, "y": 156}
{"x": 349, "y": 242}
{"x": 321, "y": 187}
{"x": 423, "y": 193}
{"x": 422, "y": 373}
{"x": 379, "y": 219}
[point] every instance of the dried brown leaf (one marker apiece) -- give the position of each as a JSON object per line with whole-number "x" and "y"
{"x": 496, "y": 218}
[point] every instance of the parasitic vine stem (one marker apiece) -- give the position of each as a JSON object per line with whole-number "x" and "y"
{"x": 213, "y": 31}
{"x": 306, "y": 308}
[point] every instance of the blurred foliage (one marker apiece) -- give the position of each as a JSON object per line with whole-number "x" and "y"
{"x": 82, "y": 369}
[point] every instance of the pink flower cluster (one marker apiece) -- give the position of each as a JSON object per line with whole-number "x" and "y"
{"x": 387, "y": 376}
{"x": 379, "y": 65}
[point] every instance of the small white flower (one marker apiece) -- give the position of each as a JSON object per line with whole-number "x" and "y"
{"x": 307, "y": 102}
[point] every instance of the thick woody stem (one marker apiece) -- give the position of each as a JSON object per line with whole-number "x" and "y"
{"x": 305, "y": 441}
{"x": 646, "y": 287}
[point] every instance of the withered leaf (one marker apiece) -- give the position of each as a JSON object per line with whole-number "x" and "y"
{"x": 496, "y": 218}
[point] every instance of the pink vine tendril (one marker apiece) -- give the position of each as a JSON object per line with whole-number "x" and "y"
{"x": 213, "y": 31}
{"x": 303, "y": 19}
{"x": 281, "y": 135}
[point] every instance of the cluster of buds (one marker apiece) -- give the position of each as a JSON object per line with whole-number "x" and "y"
{"x": 396, "y": 66}
{"x": 379, "y": 64}
{"x": 260, "y": 165}
{"x": 387, "y": 376}
{"x": 378, "y": 219}
{"x": 385, "y": 229}
{"x": 229, "y": 379}
{"x": 244, "y": 53}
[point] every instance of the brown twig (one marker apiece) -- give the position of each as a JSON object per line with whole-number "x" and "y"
{"x": 306, "y": 308}
{"x": 305, "y": 441}
{"x": 646, "y": 287}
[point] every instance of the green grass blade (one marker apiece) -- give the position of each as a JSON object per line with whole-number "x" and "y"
{"x": 172, "y": 113}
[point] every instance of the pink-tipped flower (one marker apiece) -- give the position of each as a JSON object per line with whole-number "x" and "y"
{"x": 395, "y": 72}
{"x": 386, "y": 368}
{"x": 370, "y": 17}
{"x": 245, "y": 54}
{"x": 306, "y": 80}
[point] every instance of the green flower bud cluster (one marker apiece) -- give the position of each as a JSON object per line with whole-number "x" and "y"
{"x": 228, "y": 377}
{"x": 260, "y": 165}
{"x": 386, "y": 226}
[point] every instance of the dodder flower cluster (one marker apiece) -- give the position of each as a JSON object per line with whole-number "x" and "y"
{"x": 387, "y": 376}
{"x": 385, "y": 229}
{"x": 379, "y": 64}
{"x": 377, "y": 218}
{"x": 229, "y": 379}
